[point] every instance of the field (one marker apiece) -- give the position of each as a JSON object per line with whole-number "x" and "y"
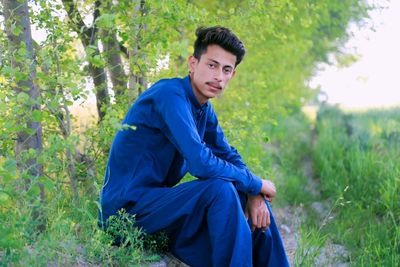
{"x": 355, "y": 162}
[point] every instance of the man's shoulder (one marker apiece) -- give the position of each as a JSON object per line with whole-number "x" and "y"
{"x": 168, "y": 85}
{"x": 164, "y": 90}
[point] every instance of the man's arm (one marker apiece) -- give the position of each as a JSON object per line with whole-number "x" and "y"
{"x": 181, "y": 130}
{"x": 216, "y": 141}
{"x": 255, "y": 207}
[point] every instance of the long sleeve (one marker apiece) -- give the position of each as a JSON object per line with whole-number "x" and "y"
{"x": 180, "y": 129}
{"x": 216, "y": 141}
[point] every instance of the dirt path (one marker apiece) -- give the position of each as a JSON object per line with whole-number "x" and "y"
{"x": 289, "y": 220}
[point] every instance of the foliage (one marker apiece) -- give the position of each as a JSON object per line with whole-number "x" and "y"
{"x": 284, "y": 39}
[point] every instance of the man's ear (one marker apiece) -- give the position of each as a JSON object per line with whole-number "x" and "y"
{"x": 192, "y": 61}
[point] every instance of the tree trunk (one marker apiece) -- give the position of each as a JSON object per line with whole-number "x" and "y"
{"x": 88, "y": 37}
{"x": 137, "y": 81}
{"x": 20, "y": 41}
{"x": 114, "y": 62}
{"x": 112, "y": 52}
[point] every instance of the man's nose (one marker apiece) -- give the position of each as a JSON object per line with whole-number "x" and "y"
{"x": 218, "y": 74}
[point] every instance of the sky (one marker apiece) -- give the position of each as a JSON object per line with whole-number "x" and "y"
{"x": 374, "y": 80}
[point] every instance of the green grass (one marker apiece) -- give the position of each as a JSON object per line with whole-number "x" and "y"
{"x": 356, "y": 160}
{"x": 360, "y": 151}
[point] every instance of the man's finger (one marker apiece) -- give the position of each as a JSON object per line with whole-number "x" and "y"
{"x": 268, "y": 218}
{"x": 253, "y": 220}
{"x": 259, "y": 220}
{"x": 267, "y": 197}
{"x": 264, "y": 221}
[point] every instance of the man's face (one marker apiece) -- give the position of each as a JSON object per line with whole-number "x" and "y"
{"x": 210, "y": 74}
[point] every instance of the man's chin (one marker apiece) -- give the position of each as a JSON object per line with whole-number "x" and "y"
{"x": 213, "y": 93}
{"x": 210, "y": 96}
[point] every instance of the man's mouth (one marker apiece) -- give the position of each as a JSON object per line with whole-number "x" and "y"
{"x": 214, "y": 85}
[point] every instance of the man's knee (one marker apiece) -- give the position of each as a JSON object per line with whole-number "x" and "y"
{"x": 218, "y": 190}
{"x": 220, "y": 187}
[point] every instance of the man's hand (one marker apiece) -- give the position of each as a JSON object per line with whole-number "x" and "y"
{"x": 268, "y": 190}
{"x": 258, "y": 212}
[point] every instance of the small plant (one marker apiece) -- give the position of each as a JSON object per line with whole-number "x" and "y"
{"x": 130, "y": 243}
{"x": 122, "y": 228}
{"x": 314, "y": 239}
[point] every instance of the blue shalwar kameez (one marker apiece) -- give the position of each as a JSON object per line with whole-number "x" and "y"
{"x": 173, "y": 134}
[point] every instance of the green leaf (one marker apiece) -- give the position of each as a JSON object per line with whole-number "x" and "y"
{"x": 32, "y": 153}
{"x": 20, "y": 76}
{"x": 96, "y": 61}
{"x": 37, "y": 116}
{"x": 68, "y": 103}
{"x": 34, "y": 191}
{"x": 106, "y": 21}
{"x": 53, "y": 105}
{"x": 10, "y": 166}
{"x": 22, "y": 51}
{"x": 4, "y": 198}
{"x": 47, "y": 182}
{"x": 16, "y": 30}
{"x": 22, "y": 98}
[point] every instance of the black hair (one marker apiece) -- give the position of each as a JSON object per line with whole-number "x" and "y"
{"x": 221, "y": 36}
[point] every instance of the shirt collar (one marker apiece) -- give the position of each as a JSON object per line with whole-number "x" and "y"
{"x": 192, "y": 97}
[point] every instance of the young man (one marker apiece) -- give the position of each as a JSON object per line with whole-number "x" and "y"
{"x": 176, "y": 131}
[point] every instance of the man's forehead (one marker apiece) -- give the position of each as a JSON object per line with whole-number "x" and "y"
{"x": 219, "y": 55}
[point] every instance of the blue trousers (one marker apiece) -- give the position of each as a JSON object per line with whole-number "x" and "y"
{"x": 205, "y": 222}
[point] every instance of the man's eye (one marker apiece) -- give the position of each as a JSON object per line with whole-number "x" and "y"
{"x": 210, "y": 65}
{"x": 227, "y": 71}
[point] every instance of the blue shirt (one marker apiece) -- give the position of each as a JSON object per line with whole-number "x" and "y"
{"x": 171, "y": 134}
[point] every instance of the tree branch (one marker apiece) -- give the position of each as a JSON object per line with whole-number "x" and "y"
{"x": 77, "y": 23}
{"x": 88, "y": 36}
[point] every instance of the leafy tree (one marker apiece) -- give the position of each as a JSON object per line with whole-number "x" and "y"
{"x": 22, "y": 72}
{"x": 89, "y": 38}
